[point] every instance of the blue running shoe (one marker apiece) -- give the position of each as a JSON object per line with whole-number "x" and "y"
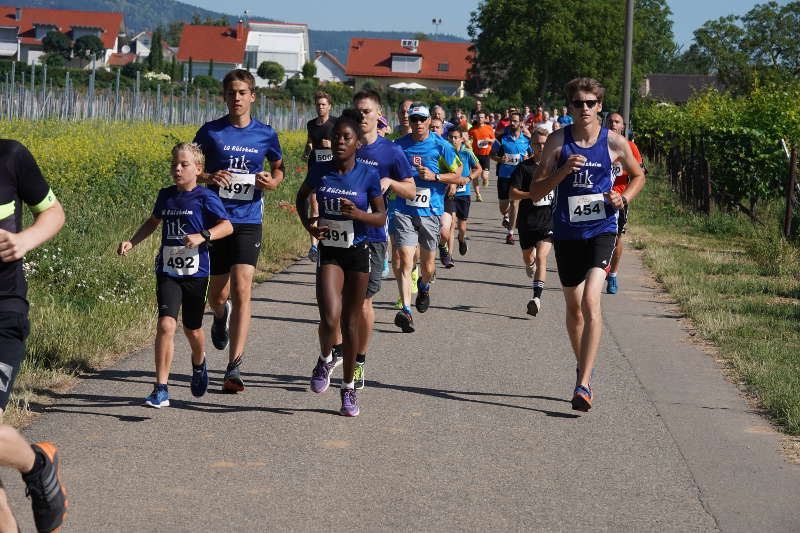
{"x": 313, "y": 253}
{"x": 386, "y": 271}
{"x": 611, "y": 287}
{"x": 158, "y": 398}
{"x": 199, "y": 379}
{"x": 582, "y": 399}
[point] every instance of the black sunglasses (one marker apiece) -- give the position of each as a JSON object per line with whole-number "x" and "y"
{"x": 417, "y": 118}
{"x": 578, "y": 104}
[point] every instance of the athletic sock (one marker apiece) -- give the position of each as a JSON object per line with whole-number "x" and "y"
{"x": 361, "y": 358}
{"x": 161, "y": 386}
{"x": 38, "y": 463}
{"x": 338, "y": 348}
{"x": 612, "y": 274}
{"x": 327, "y": 359}
{"x": 407, "y": 309}
{"x": 538, "y": 287}
{"x": 423, "y": 286}
{"x": 351, "y": 385}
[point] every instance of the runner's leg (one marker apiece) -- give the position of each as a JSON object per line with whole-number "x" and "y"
{"x": 592, "y": 324}
{"x": 406, "y": 256}
{"x": 330, "y": 280}
{"x": 241, "y": 289}
{"x": 352, "y": 304}
{"x": 219, "y": 291}
{"x": 165, "y": 347}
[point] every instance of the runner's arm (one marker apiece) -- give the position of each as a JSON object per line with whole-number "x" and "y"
{"x": 222, "y": 229}
{"x": 307, "y": 150}
{"x": 549, "y": 175}
{"x": 46, "y": 225}
{"x": 376, "y": 218}
{"x": 269, "y": 181}
{"x": 622, "y": 150}
{"x": 144, "y": 231}
{"x": 302, "y": 211}
{"x": 404, "y": 188}
{"x": 515, "y": 192}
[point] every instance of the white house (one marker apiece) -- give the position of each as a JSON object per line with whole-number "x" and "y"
{"x": 329, "y": 68}
{"x": 282, "y": 42}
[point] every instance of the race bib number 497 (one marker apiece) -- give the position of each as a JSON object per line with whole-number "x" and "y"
{"x": 242, "y": 187}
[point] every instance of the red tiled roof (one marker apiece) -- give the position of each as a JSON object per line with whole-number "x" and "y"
{"x": 330, "y": 56}
{"x": 219, "y": 43}
{"x": 273, "y": 22}
{"x": 120, "y": 60}
{"x": 373, "y": 57}
{"x": 64, "y": 19}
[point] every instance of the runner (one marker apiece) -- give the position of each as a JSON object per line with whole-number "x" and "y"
{"x": 318, "y": 148}
{"x": 509, "y": 151}
{"x": 437, "y": 111}
{"x": 463, "y": 196}
{"x": 235, "y": 147}
{"x": 446, "y": 220}
{"x": 39, "y": 464}
{"x": 396, "y": 181}
{"x": 534, "y": 221}
{"x": 482, "y": 135}
{"x": 617, "y": 124}
{"x": 577, "y": 164}
{"x": 417, "y": 221}
{"x": 193, "y": 216}
{"x": 402, "y": 117}
{"x": 346, "y": 190}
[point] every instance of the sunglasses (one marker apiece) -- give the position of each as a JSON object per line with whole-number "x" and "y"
{"x": 417, "y": 118}
{"x": 578, "y": 104}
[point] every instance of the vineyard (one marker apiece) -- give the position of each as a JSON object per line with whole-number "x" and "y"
{"x": 86, "y": 301}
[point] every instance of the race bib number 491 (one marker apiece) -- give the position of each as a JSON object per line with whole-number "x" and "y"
{"x": 242, "y": 187}
{"x": 586, "y": 207}
{"x": 340, "y": 233}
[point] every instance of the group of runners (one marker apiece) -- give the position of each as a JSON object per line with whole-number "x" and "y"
{"x": 363, "y": 194}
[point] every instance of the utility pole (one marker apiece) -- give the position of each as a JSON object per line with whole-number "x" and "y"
{"x": 436, "y": 23}
{"x": 626, "y": 82}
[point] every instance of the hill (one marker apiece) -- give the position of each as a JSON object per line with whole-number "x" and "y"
{"x": 149, "y": 14}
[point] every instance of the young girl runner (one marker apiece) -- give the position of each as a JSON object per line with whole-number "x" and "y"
{"x": 345, "y": 190}
{"x": 193, "y": 216}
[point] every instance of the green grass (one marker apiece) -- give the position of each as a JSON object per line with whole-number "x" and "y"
{"x": 738, "y": 282}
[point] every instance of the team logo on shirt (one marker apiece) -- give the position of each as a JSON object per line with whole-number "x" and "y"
{"x": 416, "y": 160}
{"x": 582, "y": 179}
{"x": 175, "y": 229}
{"x": 238, "y": 164}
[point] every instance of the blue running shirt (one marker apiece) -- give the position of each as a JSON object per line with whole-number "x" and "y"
{"x": 185, "y": 213}
{"x": 240, "y": 151}
{"x": 580, "y": 210}
{"x": 438, "y": 156}
{"x": 466, "y": 156}
{"x": 517, "y": 148}
{"x": 359, "y": 185}
{"x": 390, "y": 161}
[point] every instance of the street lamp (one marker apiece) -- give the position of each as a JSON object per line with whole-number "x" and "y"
{"x": 436, "y": 22}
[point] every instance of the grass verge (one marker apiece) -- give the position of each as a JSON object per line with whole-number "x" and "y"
{"x": 739, "y": 284}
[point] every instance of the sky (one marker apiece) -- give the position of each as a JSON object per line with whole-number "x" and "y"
{"x": 416, "y": 15}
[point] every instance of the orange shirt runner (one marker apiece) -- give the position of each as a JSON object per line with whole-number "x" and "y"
{"x": 482, "y": 139}
{"x": 621, "y": 176}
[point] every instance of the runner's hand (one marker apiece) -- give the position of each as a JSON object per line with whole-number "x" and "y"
{"x": 265, "y": 182}
{"x": 222, "y": 178}
{"x": 615, "y": 199}
{"x": 348, "y": 208}
{"x": 385, "y": 183}
{"x": 425, "y": 173}
{"x": 124, "y": 248}
{"x": 12, "y": 246}
{"x": 326, "y": 143}
{"x": 573, "y": 163}
{"x": 318, "y": 232}
{"x": 193, "y": 241}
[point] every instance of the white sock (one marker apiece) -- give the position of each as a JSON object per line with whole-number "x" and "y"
{"x": 327, "y": 359}
{"x": 612, "y": 274}
{"x": 351, "y": 385}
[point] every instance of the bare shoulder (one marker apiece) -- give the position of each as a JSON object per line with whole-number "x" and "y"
{"x": 616, "y": 141}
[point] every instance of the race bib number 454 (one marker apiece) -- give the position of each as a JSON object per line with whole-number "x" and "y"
{"x": 340, "y": 233}
{"x": 242, "y": 187}
{"x": 180, "y": 260}
{"x": 586, "y": 207}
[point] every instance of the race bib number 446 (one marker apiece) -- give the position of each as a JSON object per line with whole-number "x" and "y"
{"x": 586, "y": 207}
{"x": 242, "y": 187}
{"x": 340, "y": 233}
{"x": 180, "y": 260}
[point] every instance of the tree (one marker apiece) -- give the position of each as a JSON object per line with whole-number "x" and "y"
{"x": 208, "y": 21}
{"x": 191, "y": 69}
{"x": 421, "y": 37}
{"x": 57, "y": 49}
{"x": 88, "y": 47}
{"x": 309, "y": 70}
{"x": 211, "y": 67}
{"x": 155, "y": 60}
{"x": 173, "y": 33}
{"x": 271, "y": 71}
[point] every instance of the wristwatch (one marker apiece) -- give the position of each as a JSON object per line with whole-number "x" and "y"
{"x": 436, "y": 177}
{"x": 206, "y": 235}
{"x": 624, "y": 200}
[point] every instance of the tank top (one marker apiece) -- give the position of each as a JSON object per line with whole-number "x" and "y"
{"x": 580, "y": 210}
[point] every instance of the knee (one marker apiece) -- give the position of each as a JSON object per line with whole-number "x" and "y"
{"x": 166, "y": 326}
{"x": 328, "y": 322}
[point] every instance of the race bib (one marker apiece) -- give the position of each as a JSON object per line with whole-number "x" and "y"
{"x": 340, "y": 233}
{"x": 462, "y": 188}
{"x": 242, "y": 187}
{"x": 616, "y": 169}
{"x": 180, "y": 260}
{"x": 323, "y": 155}
{"x": 586, "y": 207}
{"x": 512, "y": 159}
{"x": 484, "y": 143}
{"x": 421, "y": 199}
{"x": 547, "y": 200}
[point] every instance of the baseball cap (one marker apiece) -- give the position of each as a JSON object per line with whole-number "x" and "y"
{"x": 419, "y": 110}
{"x": 382, "y": 122}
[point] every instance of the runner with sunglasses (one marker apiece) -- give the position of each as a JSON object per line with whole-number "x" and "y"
{"x": 576, "y": 163}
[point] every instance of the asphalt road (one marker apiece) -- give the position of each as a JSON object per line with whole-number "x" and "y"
{"x": 465, "y": 424}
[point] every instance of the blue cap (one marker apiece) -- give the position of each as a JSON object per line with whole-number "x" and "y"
{"x": 419, "y": 111}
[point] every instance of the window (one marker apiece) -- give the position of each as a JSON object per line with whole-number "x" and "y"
{"x": 409, "y": 64}
{"x": 443, "y": 67}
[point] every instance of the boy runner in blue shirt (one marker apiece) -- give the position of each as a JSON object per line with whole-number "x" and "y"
{"x": 235, "y": 147}
{"x": 577, "y": 163}
{"x": 462, "y": 200}
{"x": 192, "y": 217}
{"x": 509, "y": 151}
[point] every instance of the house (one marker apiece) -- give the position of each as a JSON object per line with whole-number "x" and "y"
{"x": 22, "y": 31}
{"x": 442, "y": 66}
{"x": 676, "y": 88}
{"x": 329, "y": 68}
{"x": 141, "y": 43}
{"x": 245, "y": 46}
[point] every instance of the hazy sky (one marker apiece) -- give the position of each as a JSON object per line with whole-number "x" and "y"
{"x": 416, "y": 15}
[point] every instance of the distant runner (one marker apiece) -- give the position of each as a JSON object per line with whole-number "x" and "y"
{"x": 318, "y": 148}
{"x": 509, "y": 151}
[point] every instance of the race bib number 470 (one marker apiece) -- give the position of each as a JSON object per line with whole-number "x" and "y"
{"x": 422, "y": 198}
{"x": 180, "y": 260}
{"x": 586, "y": 207}
{"x": 340, "y": 233}
{"x": 242, "y": 187}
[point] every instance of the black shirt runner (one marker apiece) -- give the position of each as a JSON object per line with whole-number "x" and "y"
{"x": 317, "y": 133}
{"x": 531, "y": 217}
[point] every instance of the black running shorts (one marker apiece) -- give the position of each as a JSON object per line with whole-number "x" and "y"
{"x": 503, "y": 187}
{"x": 484, "y": 161}
{"x": 462, "y": 207}
{"x": 354, "y": 259}
{"x": 529, "y": 239}
{"x": 14, "y": 329}
{"x": 576, "y": 257}
{"x": 187, "y": 294}
{"x": 450, "y": 204}
{"x": 622, "y": 220}
{"x": 239, "y": 248}
{"x": 377, "y": 254}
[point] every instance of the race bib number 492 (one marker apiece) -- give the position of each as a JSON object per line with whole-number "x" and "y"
{"x": 242, "y": 187}
{"x": 180, "y": 260}
{"x": 586, "y": 207}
